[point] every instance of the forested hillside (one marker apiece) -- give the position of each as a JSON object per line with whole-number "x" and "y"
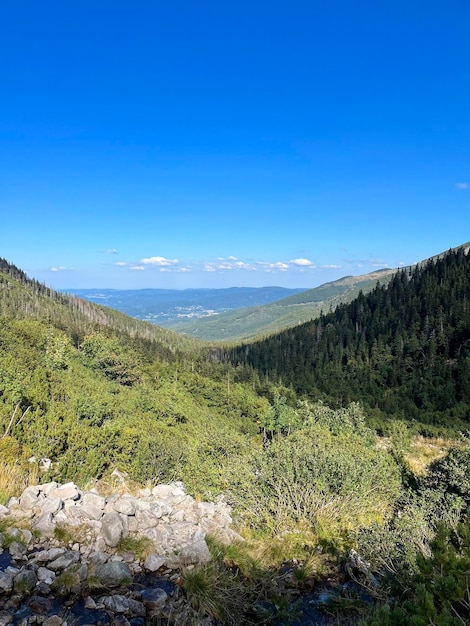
{"x": 403, "y": 349}
{"x": 92, "y": 391}
{"x": 25, "y": 298}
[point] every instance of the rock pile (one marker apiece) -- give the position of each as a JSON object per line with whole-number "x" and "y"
{"x": 73, "y": 556}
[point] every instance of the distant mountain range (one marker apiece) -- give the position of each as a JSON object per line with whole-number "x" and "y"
{"x": 168, "y": 306}
{"x": 238, "y": 313}
{"x": 252, "y": 322}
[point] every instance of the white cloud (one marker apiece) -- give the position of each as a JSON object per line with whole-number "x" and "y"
{"x": 61, "y": 268}
{"x": 240, "y": 265}
{"x": 159, "y": 261}
{"x": 137, "y": 267}
{"x": 228, "y": 266}
{"x": 331, "y": 267}
{"x": 121, "y": 263}
{"x": 462, "y": 185}
{"x": 177, "y": 270}
{"x": 110, "y": 251}
{"x": 232, "y": 258}
{"x": 269, "y": 267}
{"x": 301, "y": 262}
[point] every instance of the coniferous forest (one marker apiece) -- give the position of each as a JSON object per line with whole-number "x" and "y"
{"x": 403, "y": 349}
{"x": 349, "y": 432}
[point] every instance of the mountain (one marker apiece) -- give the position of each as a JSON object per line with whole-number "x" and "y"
{"x": 25, "y": 298}
{"x": 402, "y": 349}
{"x": 90, "y": 390}
{"x": 298, "y": 308}
{"x": 166, "y": 307}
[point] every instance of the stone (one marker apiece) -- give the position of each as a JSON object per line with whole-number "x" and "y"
{"x": 112, "y": 529}
{"x": 136, "y": 608}
{"x": 90, "y": 603}
{"x": 125, "y": 505}
{"x": 154, "y": 562}
{"x": 50, "y": 505}
{"x": 29, "y": 498}
{"x": 45, "y": 525}
{"x": 144, "y": 493}
{"x": 17, "y": 549}
{"x": 64, "y": 561}
{"x": 155, "y": 535}
{"x": 154, "y": 599}
{"x": 25, "y": 581}
{"x": 6, "y": 618}
{"x": 60, "y": 517}
{"x": 91, "y": 511}
{"x": 3, "y": 510}
{"x": 46, "y": 488}
{"x": 27, "y": 535}
{"x": 45, "y": 575}
{"x": 146, "y": 519}
{"x": 120, "y": 620}
{"x": 113, "y": 574}
{"x": 53, "y": 620}
{"x": 89, "y": 497}
{"x": 116, "y": 603}
{"x": 99, "y": 557}
{"x": 197, "y": 552}
{"x": 39, "y": 605}
{"x": 83, "y": 572}
{"x": 159, "y": 509}
{"x": 6, "y": 581}
{"x": 68, "y": 491}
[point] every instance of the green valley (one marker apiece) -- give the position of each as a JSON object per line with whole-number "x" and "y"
{"x": 322, "y": 438}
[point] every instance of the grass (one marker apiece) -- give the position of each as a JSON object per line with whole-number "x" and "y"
{"x": 141, "y": 547}
{"x": 424, "y": 451}
{"x": 214, "y": 591}
{"x": 69, "y": 535}
{"x": 66, "y": 580}
{"x": 14, "y": 479}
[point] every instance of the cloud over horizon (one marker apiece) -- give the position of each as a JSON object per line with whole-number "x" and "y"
{"x": 159, "y": 261}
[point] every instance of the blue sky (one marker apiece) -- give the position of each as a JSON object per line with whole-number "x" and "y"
{"x": 209, "y": 144}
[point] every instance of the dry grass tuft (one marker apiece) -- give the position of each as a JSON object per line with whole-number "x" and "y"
{"x": 14, "y": 479}
{"x": 424, "y": 451}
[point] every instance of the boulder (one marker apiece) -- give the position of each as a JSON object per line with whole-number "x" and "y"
{"x": 94, "y": 499}
{"x": 45, "y": 525}
{"x": 113, "y": 574}
{"x": 68, "y": 491}
{"x": 196, "y": 552}
{"x": 154, "y": 562}
{"x": 6, "y": 618}
{"x": 154, "y": 599}
{"x": 125, "y": 505}
{"x": 112, "y": 529}
{"x": 50, "y": 505}
{"x": 25, "y": 581}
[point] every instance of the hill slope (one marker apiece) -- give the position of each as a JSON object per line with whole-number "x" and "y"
{"x": 404, "y": 348}
{"x": 24, "y": 298}
{"x": 255, "y": 321}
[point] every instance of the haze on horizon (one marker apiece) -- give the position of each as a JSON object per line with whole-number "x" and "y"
{"x": 209, "y": 144}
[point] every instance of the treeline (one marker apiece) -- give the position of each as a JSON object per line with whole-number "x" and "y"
{"x": 402, "y": 349}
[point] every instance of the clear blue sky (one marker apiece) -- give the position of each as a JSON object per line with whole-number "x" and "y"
{"x": 204, "y": 144}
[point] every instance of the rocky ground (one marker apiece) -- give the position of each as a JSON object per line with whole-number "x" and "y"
{"x": 77, "y": 557}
